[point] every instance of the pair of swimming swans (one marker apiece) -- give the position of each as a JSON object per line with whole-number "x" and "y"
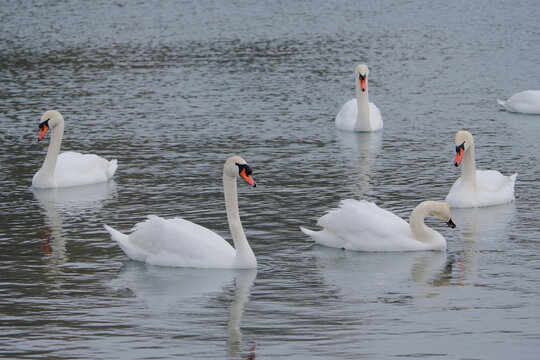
{"x": 159, "y": 241}
{"x": 363, "y": 226}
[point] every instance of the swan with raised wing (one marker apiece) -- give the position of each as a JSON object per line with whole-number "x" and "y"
{"x": 181, "y": 243}
{"x": 476, "y": 188}
{"x": 363, "y": 226}
{"x": 68, "y": 168}
{"x": 359, "y": 114}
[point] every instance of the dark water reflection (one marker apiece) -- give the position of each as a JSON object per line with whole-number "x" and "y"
{"x": 172, "y": 89}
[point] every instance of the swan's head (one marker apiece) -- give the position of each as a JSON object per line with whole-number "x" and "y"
{"x": 464, "y": 141}
{"x": 236, "y": 166}
{"x": 441, "y": 210}
{"x": 49, "y": 120}
{"x": 362, "y": 73}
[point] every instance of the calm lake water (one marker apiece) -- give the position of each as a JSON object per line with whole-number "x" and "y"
{"x": 171, "y": 89}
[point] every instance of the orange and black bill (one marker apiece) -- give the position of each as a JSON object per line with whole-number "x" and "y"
{"x": 44, "y": 127}
{"x": 460, "y": 149}
{"x": 363, "y": 84}
{"x": 245, "y": 173}
{"x": 451, "y": 223}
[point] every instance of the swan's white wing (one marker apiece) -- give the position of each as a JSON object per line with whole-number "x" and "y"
{"x": 179, "y": 242}
{"x": 74, "y": 169}
{"x": 527, "y": 102}
{"x": 375, "y": 117}
{"x": 494, "y": 188}
{"x": 346, "y": 117}
{"x": 364, "y": 226}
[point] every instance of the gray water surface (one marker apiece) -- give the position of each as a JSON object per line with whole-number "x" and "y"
{"x": 171, "y": 89}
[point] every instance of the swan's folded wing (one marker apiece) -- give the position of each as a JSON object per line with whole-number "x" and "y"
{"x": 494, "y": 188}
{"x": 363, "y": 221}
{"x": 346, "y": 117}
{"x": 74, "y": 169}
{"x": 179, "y": 242}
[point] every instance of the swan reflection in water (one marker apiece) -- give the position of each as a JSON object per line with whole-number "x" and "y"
{"x": 483, "y": 229}
{"x": 171, "y": 293}
{"x": 362, "y": 147}
{"x": 364, "y": 275}
{"x": 59, "y": 204}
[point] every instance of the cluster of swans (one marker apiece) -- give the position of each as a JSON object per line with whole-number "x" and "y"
{"x": 355, "y": 225}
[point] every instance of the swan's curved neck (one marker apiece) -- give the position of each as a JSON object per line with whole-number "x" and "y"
{"x": 47, "y": 169}
{"x": 244, "y": 255}
{"x": 468, "y": 167}
{"x": 362, "y": 102}
{"x": 420, "y": 231}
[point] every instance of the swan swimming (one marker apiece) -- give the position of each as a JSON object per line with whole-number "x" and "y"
{"x": 476, "y": 188}
{"x": 181, "y": 243}
{"x": 69, "y": 168}
{"x": 527, "y": 102}
{"x": 359, "y": 114}
{"x": 363, "y": 226}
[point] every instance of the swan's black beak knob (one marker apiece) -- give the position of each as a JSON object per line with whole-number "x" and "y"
{"x": 450, "y": 223}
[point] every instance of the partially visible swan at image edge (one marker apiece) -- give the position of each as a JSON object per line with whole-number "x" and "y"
{"x": 358, "y": 114}
{"x": 68, "y": 168}
{"x": 363, "y": 226}
{"x": 181, "y": 243}
{"x": 476, "y": 188}
{"x": 526, "y": 102}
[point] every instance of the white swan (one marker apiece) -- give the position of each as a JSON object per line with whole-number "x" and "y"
{"x": 359, "y": 114}
{"x": 181, "y": 243}
{"x": 527, "y": 102}
{"x": 363, "y": 226}
{"x": 476, "y": 188}
{"x": 68, "y": 168}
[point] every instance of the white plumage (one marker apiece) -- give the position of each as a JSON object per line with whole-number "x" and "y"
{"x": 179, "y": 242}
{"x": 358, "y": 114}
{"x": 527, "y": 102}
{"x": 69, "y": 168}
{"x": 477, "y": 188}
{"x": 363, "y": 226}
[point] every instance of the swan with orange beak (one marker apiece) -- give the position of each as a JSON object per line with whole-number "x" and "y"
{"x": 68, "y": 168}
{"x": 358, "y": 114}
{"x": 477, "y": 188}
{"x": 181, "y": 243}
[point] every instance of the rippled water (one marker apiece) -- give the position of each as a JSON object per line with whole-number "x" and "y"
{"x": 172, "y": 89}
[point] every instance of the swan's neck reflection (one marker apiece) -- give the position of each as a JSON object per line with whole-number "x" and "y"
{"x": 53, "y": 242}
{"x": 364, "y": 147}
{"x": 244, "y": 280}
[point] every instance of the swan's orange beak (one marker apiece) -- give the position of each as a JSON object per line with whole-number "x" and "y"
{"x": 451, "y": 223}
{"x": 44, "y": 128}
{"x": 248, "y": 178}
{"x": 460, "y": 149}
{"x": 363, "y": 84}
{"x": 459, "y": 156}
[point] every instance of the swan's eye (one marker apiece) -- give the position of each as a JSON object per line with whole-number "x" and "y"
{"x": 45, "y": 123}
{"x": 244, "y": 167}
{"x": 460, "y": 147}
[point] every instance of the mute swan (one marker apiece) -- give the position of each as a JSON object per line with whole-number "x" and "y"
{"x": 363, "y": 226}
{"x": 359, "y": 114}
{"x": 69, "y": 168}
{"x": 181, "y": 243}
{"x": 476, "y": 188}
{"x": 527, "y": 102}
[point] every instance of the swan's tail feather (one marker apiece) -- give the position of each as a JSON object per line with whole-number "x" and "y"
{"x": 132, "y": 251}
{"x": 513, "y": 178}
{"x": 307, "y": 231}
{"x": 502, "y": 103}
{"x": 117, "y": 236}
{"x": 112, "y": 169}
